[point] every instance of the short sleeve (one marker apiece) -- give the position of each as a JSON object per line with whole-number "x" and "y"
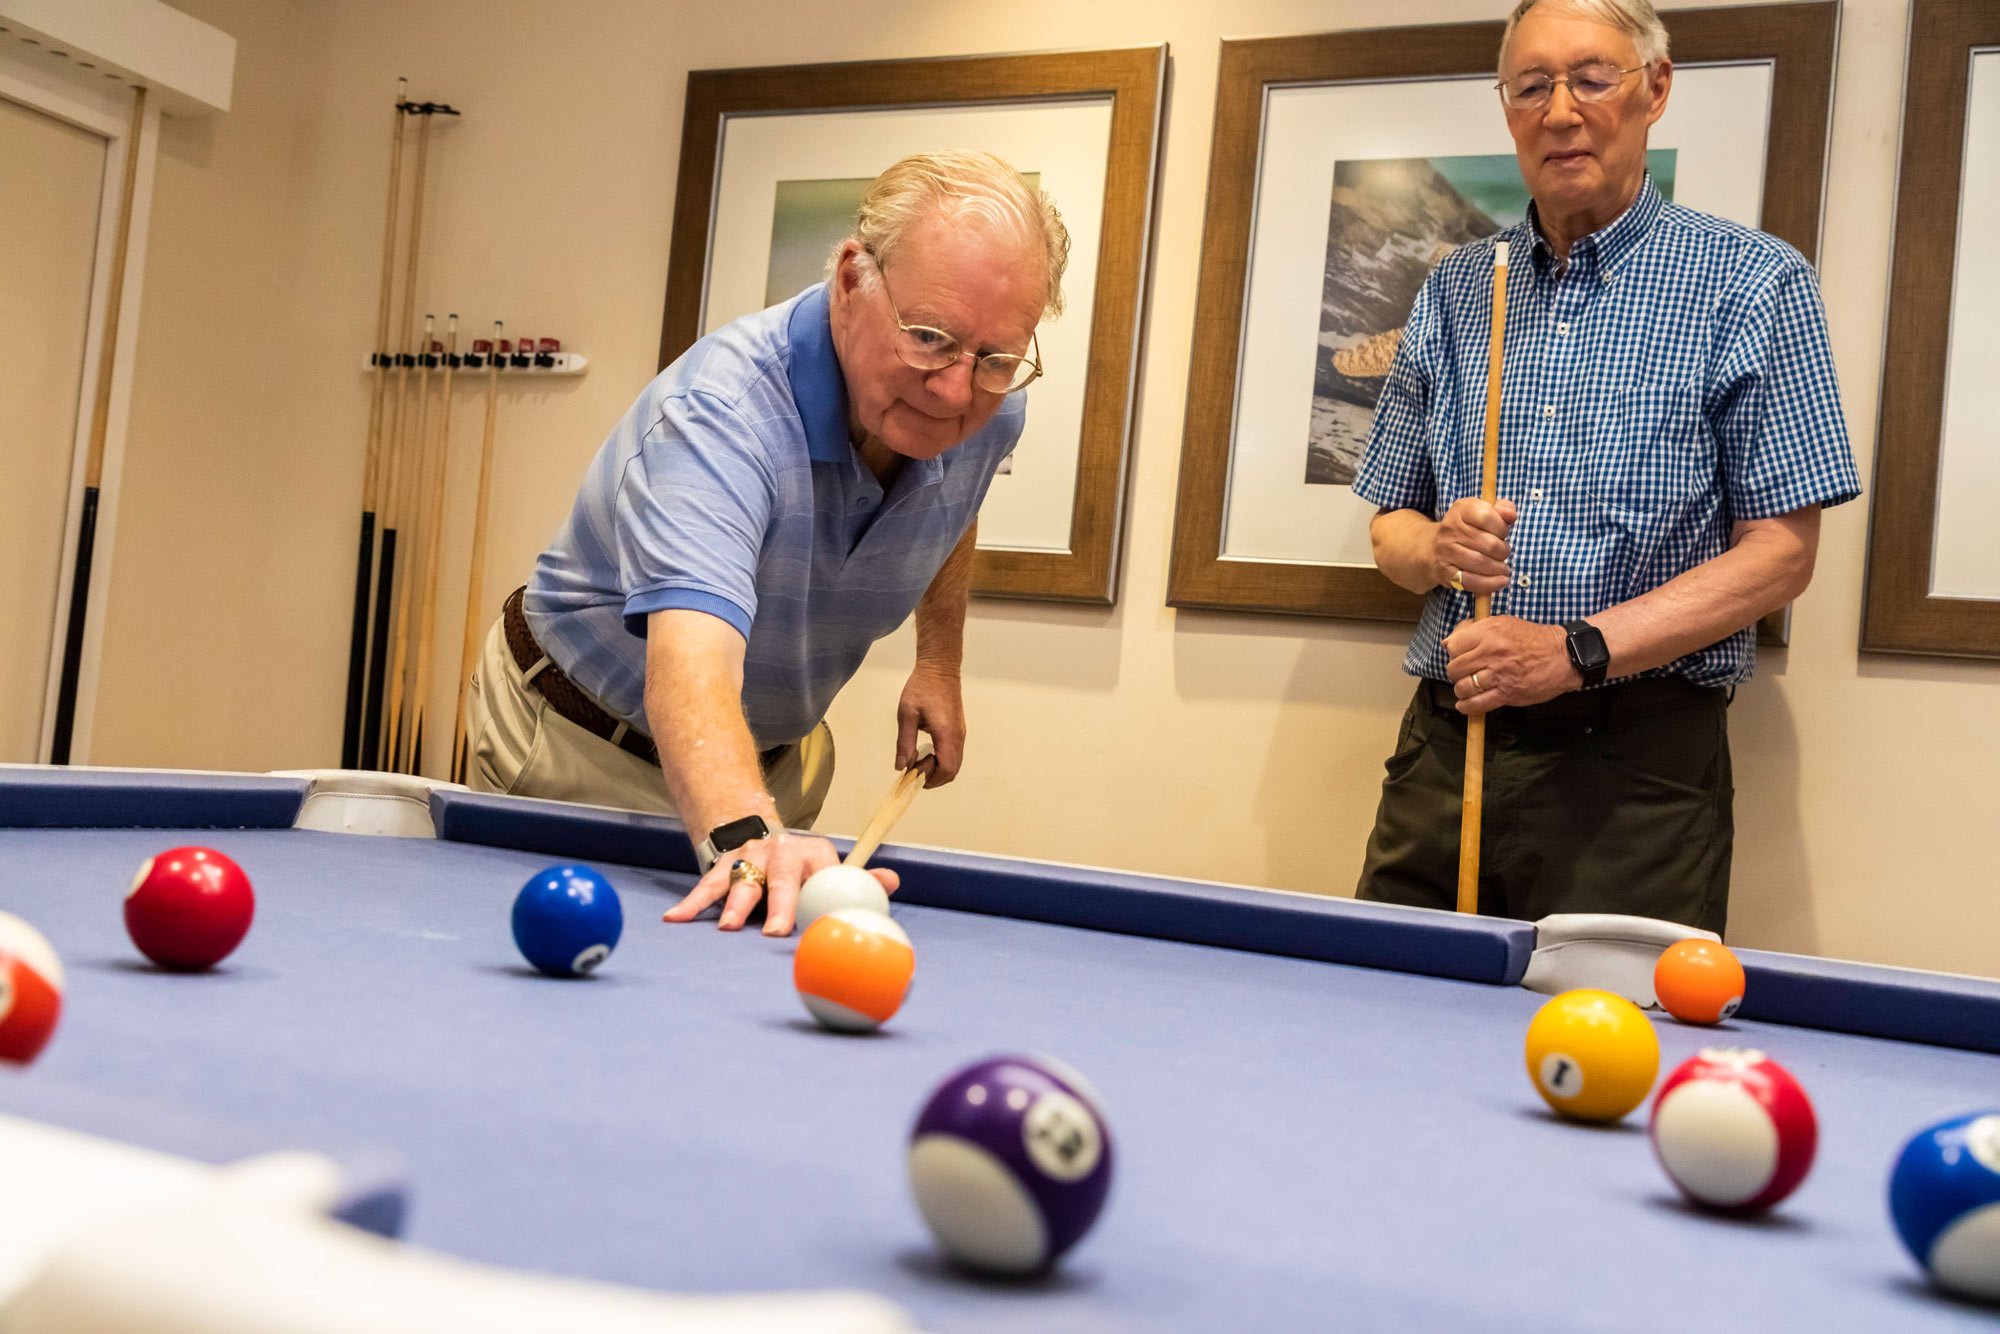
{"x": 693, "y": 506}
{"x": 1776, "y": 413}
{"x": 1395, "y": 471}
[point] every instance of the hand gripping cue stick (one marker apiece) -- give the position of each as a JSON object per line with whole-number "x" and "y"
{"x": 1473, "y": 804}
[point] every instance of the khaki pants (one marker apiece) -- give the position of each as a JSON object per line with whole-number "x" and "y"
{"x": 522, "y": 747}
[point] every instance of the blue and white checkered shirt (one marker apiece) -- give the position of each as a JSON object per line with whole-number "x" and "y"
{"x": 1672, "y": 379}
{"x": 730, "y": 488}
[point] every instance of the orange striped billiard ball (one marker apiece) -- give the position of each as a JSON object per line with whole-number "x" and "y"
{"x": 853, "y": 969}
{"x": 1698, "y": 981}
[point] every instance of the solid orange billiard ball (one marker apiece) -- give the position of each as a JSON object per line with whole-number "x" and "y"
{"x": 1698, "y": 981}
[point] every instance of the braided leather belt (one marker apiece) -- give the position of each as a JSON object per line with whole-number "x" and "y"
{"x": 565, "y": 696}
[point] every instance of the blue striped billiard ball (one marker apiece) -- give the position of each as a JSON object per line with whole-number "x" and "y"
{"x": 567, "y": 920}
{"x": 1945, "y": 1197}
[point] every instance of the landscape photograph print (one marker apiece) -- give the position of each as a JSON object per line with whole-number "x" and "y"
{"x": 1390, "y": 222}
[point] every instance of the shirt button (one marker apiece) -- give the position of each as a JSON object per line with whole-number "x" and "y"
{"x": 1524, "y": 581}
{"x": 1563, "y": 328}
{"x": 1549, "y": 410}
{"x": 863, "y": 502}
{"x": 1535, "y": 493}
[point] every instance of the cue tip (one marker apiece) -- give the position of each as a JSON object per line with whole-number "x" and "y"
{"x": 1500, "y": 255}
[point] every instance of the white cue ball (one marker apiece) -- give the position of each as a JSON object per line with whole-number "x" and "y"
{"x": 840, "y": 887}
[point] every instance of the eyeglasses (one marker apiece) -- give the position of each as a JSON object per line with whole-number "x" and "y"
{"x": 1592, "y": 82}
{"x": 923, "y": 348}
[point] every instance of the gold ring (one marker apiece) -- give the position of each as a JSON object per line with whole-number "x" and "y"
{"x": 1458, "y": 578}
{"x": 743, "y": 870}
{"x": 1476, "y": 687}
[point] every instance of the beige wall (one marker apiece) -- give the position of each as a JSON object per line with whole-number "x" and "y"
{"x": 1233, "y": 747}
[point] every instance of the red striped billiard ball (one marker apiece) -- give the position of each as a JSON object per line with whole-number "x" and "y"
{"x": 188, "y": 908}
{"x": 31, "y": 990}
{"x": 1734, "y": 1130}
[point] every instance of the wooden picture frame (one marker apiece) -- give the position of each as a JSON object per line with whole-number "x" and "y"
{"x": 1131, "y": 80}
{"x": 1902, "y": 610}
{"x": 1797, "y": 40}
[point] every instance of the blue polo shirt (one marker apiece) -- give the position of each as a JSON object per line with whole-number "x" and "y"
{"x": 731, "y": 488}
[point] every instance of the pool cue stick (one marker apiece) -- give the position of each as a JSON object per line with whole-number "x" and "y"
{"x": 375, "y": 753}
{"x": 413, "y": 501}
{"x": 469, "y": 652}
{"x": 1472, "y": 806}
{"x": 908, "y": 784}
{"x": 433, "y": 554}
{"x": 379, "y": 357}
{"x": 71, "y": 671}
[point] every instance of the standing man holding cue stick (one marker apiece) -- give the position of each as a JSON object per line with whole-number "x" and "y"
{"x": 1670, "y": 428}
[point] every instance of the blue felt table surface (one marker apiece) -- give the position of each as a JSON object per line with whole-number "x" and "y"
{"x": 1302, "y": 1144}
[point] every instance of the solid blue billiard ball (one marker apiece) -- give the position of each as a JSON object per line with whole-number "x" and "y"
{"x": 1945, "y": 1197}
{"x": 1010, "y": 1162}
{"x": 567, "y": 920}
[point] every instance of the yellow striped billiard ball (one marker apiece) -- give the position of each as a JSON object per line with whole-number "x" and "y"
{"x": 1592, "y": 1055}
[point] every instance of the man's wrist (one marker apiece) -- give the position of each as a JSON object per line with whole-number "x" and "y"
{"x": 1589, "y": 658}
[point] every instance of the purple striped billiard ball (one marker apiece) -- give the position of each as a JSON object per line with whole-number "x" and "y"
{"x": 1010, "y": 1162}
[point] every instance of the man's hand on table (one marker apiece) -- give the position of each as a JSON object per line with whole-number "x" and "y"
{"x": 787, "y": 861}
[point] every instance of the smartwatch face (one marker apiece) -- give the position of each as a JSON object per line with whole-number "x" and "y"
{"x": 1590, "y": 648}
{"x": 736, "y": 833}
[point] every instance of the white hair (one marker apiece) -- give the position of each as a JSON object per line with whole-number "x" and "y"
{"x": 1635, "y": 18}
{"x": 953, "y": 186}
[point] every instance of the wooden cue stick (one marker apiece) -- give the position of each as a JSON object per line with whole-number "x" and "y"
{"x": 357, "y": 646}
{"x": 908, "y": 784}
{"x": 377, "y": 743}
{"x": 71, "y": 672}
{"x": 433, "y": 550}
{"x": 469, "y": 652}
{"x": 1472, "y": 807}
{"x": 413, "y": 479}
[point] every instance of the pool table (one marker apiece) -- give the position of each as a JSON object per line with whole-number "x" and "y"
{"x": 1319, "y": 1107}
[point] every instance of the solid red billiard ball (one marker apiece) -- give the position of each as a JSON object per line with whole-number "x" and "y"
{"x": 188, "y": 908}
{"x": 1698, "y": 981}
{"x": 1734, "y": 1130}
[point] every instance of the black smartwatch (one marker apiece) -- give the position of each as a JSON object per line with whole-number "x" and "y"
{"x": 1587, "y": 652}
{"x": 729, "y": 837}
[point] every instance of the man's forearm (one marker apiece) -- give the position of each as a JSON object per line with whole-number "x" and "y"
{"x": 1402, "y": 542}
{"x": 940, "y": 615}
{"x": 694, "y": 705}
{"x": 1768, "y": 565}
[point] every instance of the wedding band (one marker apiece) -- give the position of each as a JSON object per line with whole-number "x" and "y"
{"x": 1458, "y": 578}
{"x": 745, "y": 869}
{"x": 1476, "y": 687}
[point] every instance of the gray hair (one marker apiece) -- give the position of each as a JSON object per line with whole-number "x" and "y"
{"x": 1635, "y": 18}
{"x": 958, "y": 185}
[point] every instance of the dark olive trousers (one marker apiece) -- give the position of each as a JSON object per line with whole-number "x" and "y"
{"x": 1613, "y": 800}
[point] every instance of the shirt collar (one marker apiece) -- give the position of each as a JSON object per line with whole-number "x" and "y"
{"x": 1606, "y": 249}
{"x": 817, "y": 384}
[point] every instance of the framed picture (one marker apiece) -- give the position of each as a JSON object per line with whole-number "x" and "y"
{"x": 1344, "y": 166}
{"x": 773, "y": 162}
{"x": 1933, "y": 549}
